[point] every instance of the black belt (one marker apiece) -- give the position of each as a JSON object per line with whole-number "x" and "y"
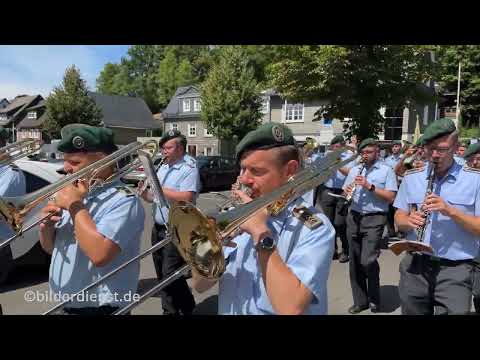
{"x": 356, "y": 213}
{"x": 434, "y": 260}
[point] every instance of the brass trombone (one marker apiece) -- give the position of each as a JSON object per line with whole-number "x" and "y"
{"x": 18, "y": 150}
{"x": 14, "y": 209}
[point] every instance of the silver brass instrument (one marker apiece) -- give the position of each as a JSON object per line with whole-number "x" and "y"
{"x": 14, "y": 209}
{"x": 348, "y": 196}
{"x": 200, "y": 238}
{"x": 18, "y": 150}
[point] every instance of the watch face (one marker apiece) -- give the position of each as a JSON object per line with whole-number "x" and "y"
{"x": 267, "y": 243}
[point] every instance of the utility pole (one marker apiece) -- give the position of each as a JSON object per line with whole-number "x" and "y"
{"x": 457, "y": 115}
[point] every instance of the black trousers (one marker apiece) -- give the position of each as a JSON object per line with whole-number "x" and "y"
{"x": 391, "y": 221}
{"x": 177, "y": 298}
{"x": 334, "y": 209}
{"x": 364, "y": 234}
{"x": 101, "y": 310}
{"x": 431, "y": 286}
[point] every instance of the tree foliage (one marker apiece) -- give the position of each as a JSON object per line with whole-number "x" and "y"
{"x": 230, "y": 96}
{"x": 356, "y": 79}
{"x": 69, "y": 103}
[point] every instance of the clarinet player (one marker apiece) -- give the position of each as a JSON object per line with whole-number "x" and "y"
{"x": 439, "y": 283}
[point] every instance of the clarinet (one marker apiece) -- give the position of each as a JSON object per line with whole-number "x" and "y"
{"x": 420, "y": 232}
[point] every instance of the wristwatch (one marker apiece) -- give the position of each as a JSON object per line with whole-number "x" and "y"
{"x": 372, "y": 188}
{"x": 267, "y": 243}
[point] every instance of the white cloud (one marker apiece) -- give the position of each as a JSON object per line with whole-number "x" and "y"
{"x": 38, "y": 69}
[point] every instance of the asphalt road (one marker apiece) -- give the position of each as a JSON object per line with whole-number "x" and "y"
{"x": 27, "y": 279}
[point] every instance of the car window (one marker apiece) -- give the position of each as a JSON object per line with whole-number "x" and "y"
{"x": 33, "y": 182}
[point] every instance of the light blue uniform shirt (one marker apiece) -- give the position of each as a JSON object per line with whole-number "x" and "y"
{"x": 338, "y": 179}
{"x": 181, "y": 176}
{"x": 308, "y": 253}
{"x": 12, "y": 183}
{"x": 119, "y": 217}
{"x": 380, "y": 175}
{"x": 459, "y": 160}
{"x": 393, "y": 160}
{"x": 460, "y": 188}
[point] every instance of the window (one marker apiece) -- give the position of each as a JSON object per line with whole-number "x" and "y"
{"x": 186, "y": 105}
{"x": 265, "y": 105}
{"x": 32, "y": 115}
{"x": 206, "y": 132}
{"x": 293, "y": 112}
{"x": 197, "y": 106}
{"x": 173, "y": 126}
{"x": 192, "y": 150}
{"x": 207, "y": 151}
{"x": 192, "y": 130}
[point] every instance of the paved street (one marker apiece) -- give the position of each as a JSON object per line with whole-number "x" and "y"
{"x": 12, "y": 295}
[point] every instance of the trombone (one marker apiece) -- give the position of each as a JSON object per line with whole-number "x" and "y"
{"x": 14, "y": 209}
{"x": 18, "y": 150}
{"x": 200, "y": 238}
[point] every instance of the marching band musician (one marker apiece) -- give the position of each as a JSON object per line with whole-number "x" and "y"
{"x": 92, "y": 232}
{"x": 440, "y": 283}
{"x": 180, "y": 181}
{"x": 392, "y": 161}
{"x": 332, "y": 206}
{"x": 279, "y": 264}
{"x": 472, "y": 158}
{"x": 12, "y": 183}
{"x": 374, "y": 189}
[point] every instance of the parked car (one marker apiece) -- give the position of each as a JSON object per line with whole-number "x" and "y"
{"x": 26, "y": 249}
{"x": 217, "y": 172}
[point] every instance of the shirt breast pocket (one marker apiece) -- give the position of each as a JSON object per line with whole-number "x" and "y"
{"x": 378, "y": 180}
{"x": 463, "y": 201}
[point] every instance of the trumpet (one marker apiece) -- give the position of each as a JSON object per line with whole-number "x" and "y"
{"x": 14, "y": 209}
{"x": 18, "y": 150}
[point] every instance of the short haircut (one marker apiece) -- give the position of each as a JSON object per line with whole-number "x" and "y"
{"x": 182, "y": 142}
{"x": 286, "y": 153}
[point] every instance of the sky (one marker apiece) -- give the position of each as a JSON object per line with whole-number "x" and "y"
{"x": 32, "y": 70}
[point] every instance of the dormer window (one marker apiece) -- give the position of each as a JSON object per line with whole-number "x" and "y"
{"x": 32, "y": 115}
{"x": 3, "y": 117}
{"x": 186, "y": 105}
{"x": 197, "y": 106}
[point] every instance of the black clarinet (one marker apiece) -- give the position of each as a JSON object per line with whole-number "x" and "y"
{"x": 420, "y": 232}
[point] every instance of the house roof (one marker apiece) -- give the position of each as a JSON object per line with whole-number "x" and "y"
{"x": 125, "y": 111}
{"x": 32, "y": 123}
{"x": 17, "y": 106}
{"x": 173, "y": 108}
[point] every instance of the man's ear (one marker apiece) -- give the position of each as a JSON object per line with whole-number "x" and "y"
{"x": 292, "y": 167}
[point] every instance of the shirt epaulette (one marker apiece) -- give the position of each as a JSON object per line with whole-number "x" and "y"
{"x": 413, "y": 171}
{"x": 307, "y": 217}
{"x": 471, "y": 169}
{"x": 126, "y": 190}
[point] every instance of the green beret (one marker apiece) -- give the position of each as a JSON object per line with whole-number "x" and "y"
{"x": 337, "y": 139}
{"x": 172, "y": 134}
{"x": 266, "y": 136}
{"x": 4, "y": 133}
{"x": 437, "y": 129}
{"x": 397, "y": 142}
{"x": 420, "y": 141}
{"x": 85, "y": 138}
{"x": 472, "y": 150}
{"x": 366, "y": 142}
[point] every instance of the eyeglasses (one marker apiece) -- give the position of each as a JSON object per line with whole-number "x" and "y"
{"x": 367, "y": 152}
{"x": 440, "y": 150}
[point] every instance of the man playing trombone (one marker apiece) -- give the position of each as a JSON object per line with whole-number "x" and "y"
{"x": 439, "y": 283}
{"x": 279, "y": 264}
{"x": 92, "y": 233}
{"x": 180, "y": 181}
{"x": 12, "y": 183}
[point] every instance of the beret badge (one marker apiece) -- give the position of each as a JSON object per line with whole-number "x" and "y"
{"x": 277, "y": 133}
{"x": 78, "y": 142}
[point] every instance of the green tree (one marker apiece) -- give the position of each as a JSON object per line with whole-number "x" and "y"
{"x": 230, "y": 96}
{"x": 357, "y": 80}
{"x": 469, "y": 55}
{"x": 106, "y": 79}
{"x": 171, "y": 75}
{"x": 69, "y": 103}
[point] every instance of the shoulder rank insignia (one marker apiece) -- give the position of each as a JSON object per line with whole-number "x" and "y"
{"x": 126, "y": 190}
{"x": 307, "y": 217}
{"x": 414, "y": 170}
{"x": 471, "y": 169}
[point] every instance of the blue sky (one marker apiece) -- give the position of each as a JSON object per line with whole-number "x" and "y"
{"x": 37, "y": 69}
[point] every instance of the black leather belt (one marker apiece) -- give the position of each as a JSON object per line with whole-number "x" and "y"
{"x": 442, "y": 261}
{"x": 356, "y": 213}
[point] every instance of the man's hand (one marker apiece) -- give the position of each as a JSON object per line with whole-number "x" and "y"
{"x": 434, "y": 202}
{"x": 257, "y": 224}
{"x": 143, "y": 192}
{"x": 51, "y": 208}
{"x": 71, "y": 194}
{"x": 362, "y": 181}
{"x": 416, "y": 219}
